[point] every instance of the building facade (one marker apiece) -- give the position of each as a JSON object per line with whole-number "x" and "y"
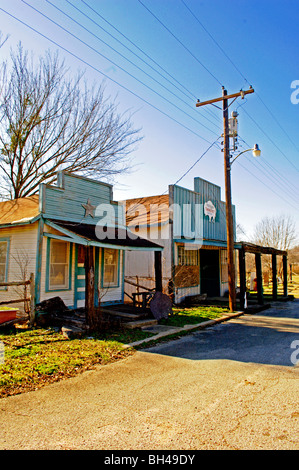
{"x": 191, "y": 226}
{"x": 47, "y": 235}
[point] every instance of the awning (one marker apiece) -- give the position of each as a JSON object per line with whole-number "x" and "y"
{"x": 101, "y": 236}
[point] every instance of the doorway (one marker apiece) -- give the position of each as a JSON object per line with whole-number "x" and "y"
{"x": 209, "y": 273}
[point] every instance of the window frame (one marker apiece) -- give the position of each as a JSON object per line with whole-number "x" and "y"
{"x": 70, "y": 253}
{"x": 7, "y": 241}
{"x": 181, "y": 261}
{"x": 117, "y": 284}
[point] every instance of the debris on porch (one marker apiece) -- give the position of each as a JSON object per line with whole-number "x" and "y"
{"x": 72, "y": 322}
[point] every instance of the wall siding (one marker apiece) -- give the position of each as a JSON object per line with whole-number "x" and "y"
{"x": 22, "y": 251}
{"x": 64, "y": 202}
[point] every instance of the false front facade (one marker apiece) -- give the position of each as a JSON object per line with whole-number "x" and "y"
{"x": 191, "y": 226}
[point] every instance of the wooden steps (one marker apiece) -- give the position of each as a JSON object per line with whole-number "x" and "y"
{"x": 140, "y": 323}
{"x": 131, "y": 320}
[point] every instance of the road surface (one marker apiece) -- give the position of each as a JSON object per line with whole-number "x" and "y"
{"x": 232, "y": 386}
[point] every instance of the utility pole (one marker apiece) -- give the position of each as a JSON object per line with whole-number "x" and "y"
{"x": 228, "y": 197}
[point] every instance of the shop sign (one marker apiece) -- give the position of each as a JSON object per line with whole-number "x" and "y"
{"x": 210, "y": 211}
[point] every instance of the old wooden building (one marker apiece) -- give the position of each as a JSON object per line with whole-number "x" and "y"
{"x": 191, "y": 225}
{"x": 49, "y": 235}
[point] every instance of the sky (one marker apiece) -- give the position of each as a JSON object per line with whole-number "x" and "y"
{"x": 157, "y": 57}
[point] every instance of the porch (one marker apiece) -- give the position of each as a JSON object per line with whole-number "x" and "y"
{"x": 258, "y": 251}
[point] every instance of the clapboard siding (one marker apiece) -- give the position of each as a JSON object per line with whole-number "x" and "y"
{"x": 64, "y": 202}
{"x": 142, "y": 263}
{"x": 21, "y": 258}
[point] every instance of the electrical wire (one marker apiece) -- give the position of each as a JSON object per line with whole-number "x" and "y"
{"x": 180, "y": 42}
{"x": 124, "y": 57}
{"x": 117, "y": 65}
{"x": 195, "y": 163}
{"x": 270, "y": 139}
{"x": 245, "y": 79}
{"x": 190, "y": 93}
{"x": 103, "y": 74}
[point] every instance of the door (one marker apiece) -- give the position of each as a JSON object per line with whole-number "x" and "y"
{"x": 209, "y": 272}
{"x": 79, "y": 276}
{"x": 80, "y": 254}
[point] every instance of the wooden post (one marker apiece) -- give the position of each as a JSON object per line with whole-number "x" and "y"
{"x": 259, "y": 275}
{"x": 274, "y": 276}
{"x": 229, "y": 219}
{"x": 242, "y": 273}
{"x": 171, "y": 286}
{"x": 285, "y": 275}
{"x": 158, "y": 271}
{"x": 229, "y": 213}
{"x": 32, "y": 300}
{"x": 89, "y": 288}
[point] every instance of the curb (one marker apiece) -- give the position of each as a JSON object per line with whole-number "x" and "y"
{"x": 174, "y": 330}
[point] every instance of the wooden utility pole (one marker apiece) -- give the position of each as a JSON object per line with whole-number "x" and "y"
{"x": 227, "y": 167}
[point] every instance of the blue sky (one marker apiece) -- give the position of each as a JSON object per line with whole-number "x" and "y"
{"x": 178, "y": 51}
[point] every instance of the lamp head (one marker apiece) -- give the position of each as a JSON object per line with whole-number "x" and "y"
{"x": 256, "y": 151}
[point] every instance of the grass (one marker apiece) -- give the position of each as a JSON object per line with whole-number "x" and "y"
{"x": 39, "y": 356}
{"x": 190, "y": 316}
{"x": 35, "y": 357}
{"x": 293, "y": 289}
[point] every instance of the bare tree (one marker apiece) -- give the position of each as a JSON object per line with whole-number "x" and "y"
{"x": 50, "y": 122}
{"x": 278, "y": 232}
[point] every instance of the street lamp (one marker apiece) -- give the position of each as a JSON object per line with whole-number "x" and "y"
{"x": 256, "y": 152}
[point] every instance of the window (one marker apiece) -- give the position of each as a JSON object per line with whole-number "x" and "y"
{"x": 187, "y": 257}
{"x": 59, "y": 275}
{"x": 3, "y": 261}
{"x": 110, "y": 267}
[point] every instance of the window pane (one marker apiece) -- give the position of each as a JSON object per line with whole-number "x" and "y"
{"x": 110, "y": 268}
{"x": 2, "y": 272}
{"x": 3, "y": 259}
{"x": 3, "y": 251}
{"x": 58, "y": 275}
{"x": 58, "y": 251}
{"x": 59, "y": 265}
{"x": 187, "y": 257}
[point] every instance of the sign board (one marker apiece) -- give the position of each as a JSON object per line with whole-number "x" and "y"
{"x": 210, "y": 211}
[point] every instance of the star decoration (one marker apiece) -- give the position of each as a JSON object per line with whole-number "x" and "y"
{"x": 89, "y": 208}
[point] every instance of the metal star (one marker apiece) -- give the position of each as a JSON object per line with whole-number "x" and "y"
{"x": 89, "y": 208}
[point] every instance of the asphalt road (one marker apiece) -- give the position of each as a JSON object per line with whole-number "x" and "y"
{"x": 231, "y": 386}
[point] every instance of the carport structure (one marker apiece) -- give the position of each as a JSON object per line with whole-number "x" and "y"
{"x": 258, "y": 251}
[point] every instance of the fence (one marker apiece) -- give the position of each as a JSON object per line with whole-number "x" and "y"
{"x": 30, "y": 299}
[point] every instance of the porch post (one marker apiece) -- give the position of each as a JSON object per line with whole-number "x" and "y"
{"x": 285, "y": 275}
{"x": 274, "y": 276}
{"x": 158, "y": 270}
{"x": 242, "y": 274}
{"x": 258, "y": 266}
{"x": 89, "y": 288}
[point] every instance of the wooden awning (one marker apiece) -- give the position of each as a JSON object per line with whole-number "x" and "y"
{"x": 263, "y": 250}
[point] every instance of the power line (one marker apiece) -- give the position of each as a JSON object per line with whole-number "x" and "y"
{"x": 103, "y": 74}
{"x": 180, "y": 42}
{"x": 119, "y": 53}
{"x": 270, "y": 139}
{"x": 195, "y": 163}
{"x": 214, "y": 40}
{"x": 276, "y": 175}
{"x": 263, "y": 183}
{"x": 117, "y": 65}
{"x": 190, "y": 94}
{"x": 243, "y": 76}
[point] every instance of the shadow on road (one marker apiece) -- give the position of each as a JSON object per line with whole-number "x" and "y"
{"x": 268, "y": 338}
